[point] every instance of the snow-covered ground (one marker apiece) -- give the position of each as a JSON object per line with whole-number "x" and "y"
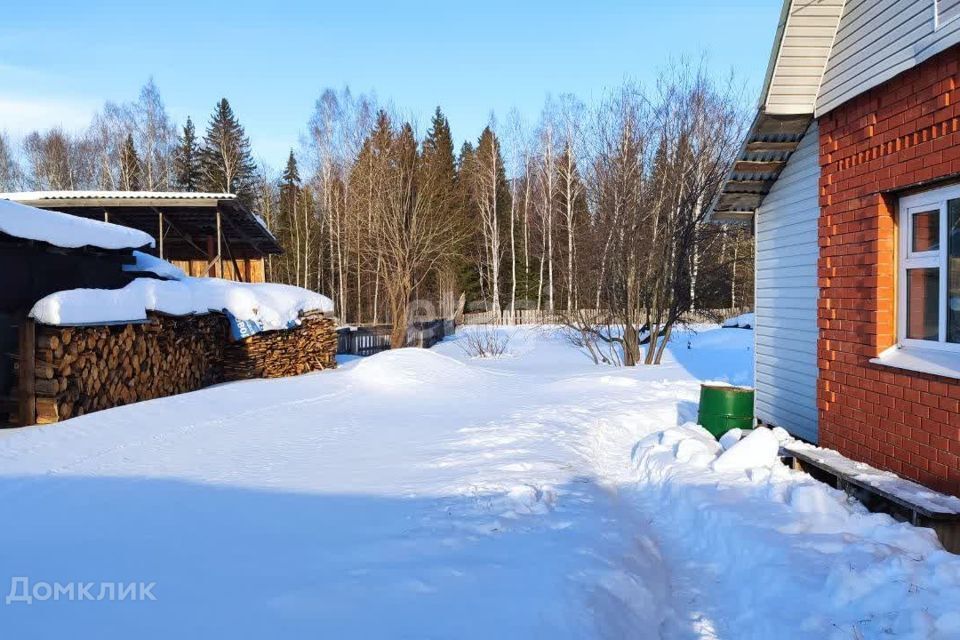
{"x": 426, "y": 494}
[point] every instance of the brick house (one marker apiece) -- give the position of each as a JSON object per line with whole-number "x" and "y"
{"x": 851, "y": 175}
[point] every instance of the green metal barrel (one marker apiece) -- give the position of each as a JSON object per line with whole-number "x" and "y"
{"x": 723, "y": 408}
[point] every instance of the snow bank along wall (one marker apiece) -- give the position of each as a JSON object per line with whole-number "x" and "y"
{"x": 83, "y": 369}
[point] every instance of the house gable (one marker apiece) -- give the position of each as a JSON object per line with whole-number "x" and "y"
{"x": 879, "y": 39}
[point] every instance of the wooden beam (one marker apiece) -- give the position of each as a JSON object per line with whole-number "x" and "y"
{"x": 27, "y": 372}
{"x": 760, "y": 146}
{"x": 731, "y": 216}
{"x": 209, "y": 269}
{"x": 236, "y": 267}
{"x": 170, "y": 226}
{"x": 748, "y": 186}
{"x": 219, "y": 247}
{"x": 757, "y": 167}
{"x": 238, "y": 229}
{"x": 160, "y": 233}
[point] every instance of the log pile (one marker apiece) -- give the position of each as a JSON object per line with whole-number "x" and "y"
{"x": 85, "y": 369}
{"x": 312, "y": 346}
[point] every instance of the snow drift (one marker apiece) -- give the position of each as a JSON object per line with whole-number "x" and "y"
{"x": 411, "y": 367}
{"x": 784, "y": 555}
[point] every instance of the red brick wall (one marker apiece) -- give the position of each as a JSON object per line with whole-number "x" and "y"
{"x": 902, "y": 134}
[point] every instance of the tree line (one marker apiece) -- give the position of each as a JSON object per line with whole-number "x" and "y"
{"x": 598, "y": 206}
{"x": 132, "y": 147}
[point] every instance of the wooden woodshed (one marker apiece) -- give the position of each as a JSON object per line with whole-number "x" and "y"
{"x": 42, "y": 252}
{"x": 205, "y": 234}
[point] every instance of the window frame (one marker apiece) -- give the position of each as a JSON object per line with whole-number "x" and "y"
{"x": 935, "y": 199}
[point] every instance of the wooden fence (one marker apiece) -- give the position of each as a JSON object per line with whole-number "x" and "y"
{"x": 370, "y": 339}
{"x": 526, "y": 316}
{"x": 542, "y": 316}
{"x": 363, "y": 341}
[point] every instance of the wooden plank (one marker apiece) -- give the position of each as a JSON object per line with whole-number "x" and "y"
{"x": 160, "y": 233}
{"x": 760, "y": 146}
{"x": 758, "y": 167}
{"x": 219, "y": 245}
{"x": 27, "y": 372}
{"x": 846, "y": 478}
{"x": 257, "y": 271}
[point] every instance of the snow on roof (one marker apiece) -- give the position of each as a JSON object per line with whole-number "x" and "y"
{"x": 64, "y": 230}
{"x": 32, "y": 196}
{"x": 272, "y": 306}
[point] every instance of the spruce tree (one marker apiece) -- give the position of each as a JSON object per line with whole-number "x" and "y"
{"x": 186, "y": 162}
{"x": 468, "y": 274}
{"x": 226, "y": 158}
{"x": 439, "y": 163}
{"x": 440, "y": 191}
{"x": 130, "y": 166}
{"x": 289, "y": 190}
{"x": 291, "y": 174}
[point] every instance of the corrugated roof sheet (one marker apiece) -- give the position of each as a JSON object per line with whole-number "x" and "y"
{"x": 26, "y": 196}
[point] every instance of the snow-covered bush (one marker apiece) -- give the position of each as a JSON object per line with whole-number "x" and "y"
{"x": 484, "y": 342}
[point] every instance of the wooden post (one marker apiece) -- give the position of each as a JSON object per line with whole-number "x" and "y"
{"x": 219, "y": 237}
{"x": 26, "y": 383}
{"x": 160, "y": 233}
{"x": 106, "y": 216}
{"x": 210, "y": 265}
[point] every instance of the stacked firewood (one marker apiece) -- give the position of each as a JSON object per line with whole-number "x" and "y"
{"x": 84, "y": 369}
{"x": 312, "y": 346}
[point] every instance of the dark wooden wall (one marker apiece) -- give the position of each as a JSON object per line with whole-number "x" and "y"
{"x": 31, "y": 270}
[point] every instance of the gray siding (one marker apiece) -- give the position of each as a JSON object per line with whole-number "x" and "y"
{"x": 807, "y": 35}
{"x": 947, "y": 10}
{"x": 786, "y": 295}
{"x": 878, "y": 39}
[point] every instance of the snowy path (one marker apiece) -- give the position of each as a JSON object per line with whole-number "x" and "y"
{"x": 413, "y": 494}
{"x": 422, "y": 494}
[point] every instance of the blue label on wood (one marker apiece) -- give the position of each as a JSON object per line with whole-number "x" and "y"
{"x": 240, "y": 329}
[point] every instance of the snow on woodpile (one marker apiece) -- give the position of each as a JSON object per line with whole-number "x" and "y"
{"x": 64, "y": 230}
{"x": 151, "y": 264}
{"x": 271, "y": 306}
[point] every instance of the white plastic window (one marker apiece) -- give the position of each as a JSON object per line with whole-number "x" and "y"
{"x": 929, "y": 275}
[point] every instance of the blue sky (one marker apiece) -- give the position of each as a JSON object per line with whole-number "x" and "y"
{"x": 59, "y": 61}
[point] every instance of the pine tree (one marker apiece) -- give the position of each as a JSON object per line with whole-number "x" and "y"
{"x": 226, "y": 160}
{"x": 187, "y": 170}
{"x": 130, "y": 166}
